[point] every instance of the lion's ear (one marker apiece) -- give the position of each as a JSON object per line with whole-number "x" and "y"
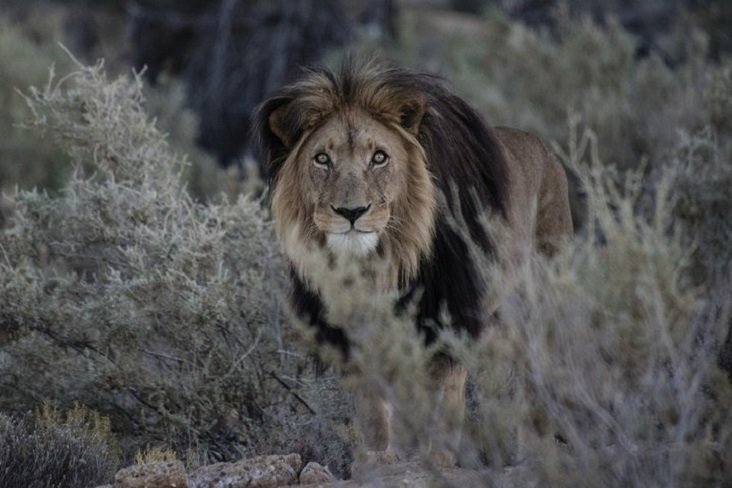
{"x": 411, "y": 114}
{"x": 276, "y": 124}
{"x": 269, "y": 121}
{"x": 270, "y": 133}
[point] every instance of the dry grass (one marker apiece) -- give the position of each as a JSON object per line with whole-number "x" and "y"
{"x": 607, "y": 358}
{"x": 55, "y": 450}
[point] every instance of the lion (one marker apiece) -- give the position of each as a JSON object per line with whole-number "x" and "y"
{"x": 363, "y": 164}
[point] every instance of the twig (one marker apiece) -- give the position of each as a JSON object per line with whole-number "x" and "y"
{"x": 295, "y": 394}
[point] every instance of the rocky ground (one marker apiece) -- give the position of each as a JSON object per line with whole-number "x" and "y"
{"x": 288, "y": 471}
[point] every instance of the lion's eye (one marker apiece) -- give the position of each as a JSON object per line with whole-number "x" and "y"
{"x": 379, "y": 158}
{"x": 322, "y": 159}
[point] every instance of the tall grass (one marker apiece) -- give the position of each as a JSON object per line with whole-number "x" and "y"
{"x": 608, "y": 355}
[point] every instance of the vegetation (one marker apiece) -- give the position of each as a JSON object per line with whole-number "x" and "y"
{"x": 128, "y": 286}
{"x": 23, "y": 161}
{"x": 50, "y": 449}
{"x": 611, "y": 355}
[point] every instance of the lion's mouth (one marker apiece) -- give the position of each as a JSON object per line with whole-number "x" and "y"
{"x": 353, "y": 242}
{"x": 346, "y": 228}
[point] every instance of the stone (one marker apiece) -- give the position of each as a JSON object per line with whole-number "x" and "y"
{"x": 257, "y": 472}
{"x": 314, "y": 473}
{"x": 163, "y": 474}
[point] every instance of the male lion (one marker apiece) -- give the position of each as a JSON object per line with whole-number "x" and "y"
{"x": 364, "y": 165}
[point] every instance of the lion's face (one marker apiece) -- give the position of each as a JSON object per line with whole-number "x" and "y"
{"x": 352, "y": 170}
{"x": 349, "y": 175}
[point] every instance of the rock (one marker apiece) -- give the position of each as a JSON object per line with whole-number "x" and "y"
{"x": 314, "y": 473}
{"x": 163, "y": 474}
{"x": 256, "y": 472}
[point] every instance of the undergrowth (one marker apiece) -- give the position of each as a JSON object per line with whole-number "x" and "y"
{"x": 50, "y": 449}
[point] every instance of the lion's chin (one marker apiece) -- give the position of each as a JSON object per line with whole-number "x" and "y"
{"x": 357, "y": 244}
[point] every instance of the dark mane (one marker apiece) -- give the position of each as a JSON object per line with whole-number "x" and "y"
{"x": 461, "y": 153}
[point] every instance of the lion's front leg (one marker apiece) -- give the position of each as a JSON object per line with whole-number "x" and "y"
{"x": 374, "y": 418}
{"x": 449, "y": 412}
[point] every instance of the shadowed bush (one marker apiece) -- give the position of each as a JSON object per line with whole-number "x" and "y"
{"x": 703, "y": 163}
{"x": 24, "y": 160}
{"x": 56, "y": 451}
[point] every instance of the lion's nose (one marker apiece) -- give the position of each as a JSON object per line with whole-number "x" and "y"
{"x": 351, "y": 214}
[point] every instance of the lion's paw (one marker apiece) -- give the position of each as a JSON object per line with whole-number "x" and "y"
{"x": 387, "y": 456}
{"x": 369, "y": 461}
{"x": 442, "y": 458}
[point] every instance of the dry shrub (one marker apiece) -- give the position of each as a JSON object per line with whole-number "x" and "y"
{"x": 155, "y": 455}
{"x": 126, "y": 295}
{"x": 703, "y": 177}
{"x": 28, "y": 161}
{"x": 386, "y": 357}
{"x": 55, "y": 450}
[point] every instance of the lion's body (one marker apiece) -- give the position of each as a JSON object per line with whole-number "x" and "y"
{"x": 538, "y": 210}
{"x": 377, "y": 164}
